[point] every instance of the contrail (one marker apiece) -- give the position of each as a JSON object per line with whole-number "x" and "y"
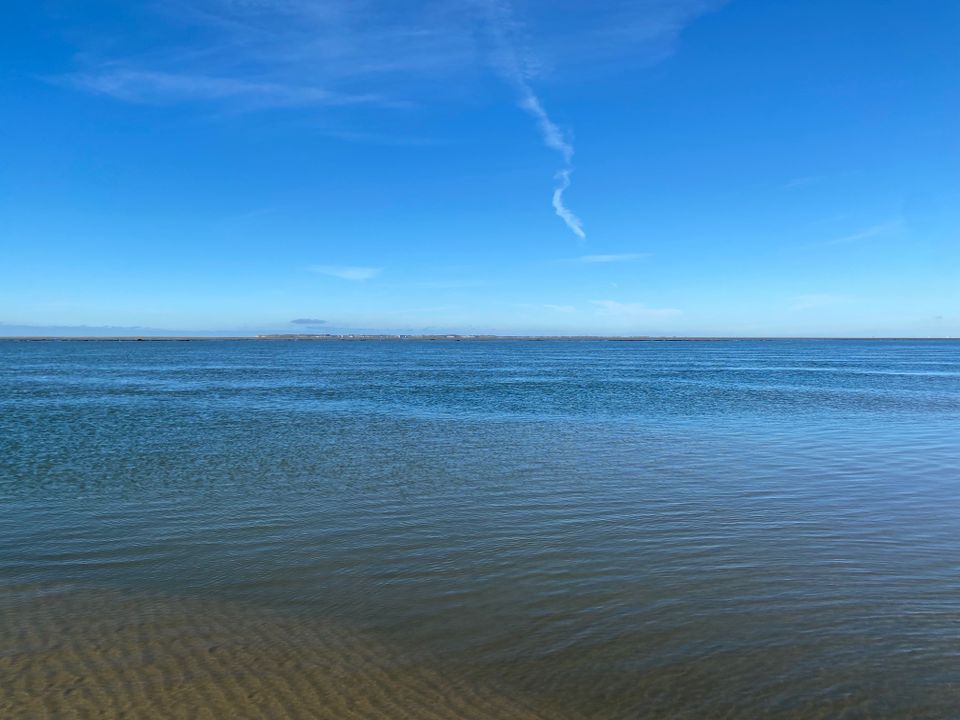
{"x": 553, "y": 137}
{"x": 572, "y": 221}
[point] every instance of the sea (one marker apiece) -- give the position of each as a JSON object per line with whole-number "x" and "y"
{"x": 480, "y": 529}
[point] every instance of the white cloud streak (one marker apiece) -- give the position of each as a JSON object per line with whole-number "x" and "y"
{"x": 801, "y": 182}
{"x": 553, "y": 137}
{"x": 449, "y": 284}
{"x": 347, "y": 272}
{"x": 815, "y": 300}
{"x": 633, "y": 311}
{"x": 153, "y": 87}
{"x": 622, "y": 258}
{"x": 504, "y": 30}
{"x": 260, "y": 54}
{"x": 563, "y": 212}
{"x": 865, "y": 234}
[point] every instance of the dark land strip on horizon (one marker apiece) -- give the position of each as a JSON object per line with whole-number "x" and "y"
{"x": 442, "y": 337}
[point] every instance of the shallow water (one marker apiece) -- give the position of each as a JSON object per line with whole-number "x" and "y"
{"x": 480, "y": 529}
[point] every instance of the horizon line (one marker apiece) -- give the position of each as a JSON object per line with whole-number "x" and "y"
{"x": 353, "y": 337}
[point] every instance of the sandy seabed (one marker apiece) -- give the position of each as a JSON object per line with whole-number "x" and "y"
{"x": 105, "y": 654}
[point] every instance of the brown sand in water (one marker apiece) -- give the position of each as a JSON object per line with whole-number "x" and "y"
{"x": 106, "y": 654}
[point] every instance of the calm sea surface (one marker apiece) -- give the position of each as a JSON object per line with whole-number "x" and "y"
{"x": 480, "y": 529}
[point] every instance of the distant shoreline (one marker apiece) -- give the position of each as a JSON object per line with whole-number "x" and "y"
{"x": 432, "y": 338}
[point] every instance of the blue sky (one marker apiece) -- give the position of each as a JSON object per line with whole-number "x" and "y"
{"x": 667, "y": 167}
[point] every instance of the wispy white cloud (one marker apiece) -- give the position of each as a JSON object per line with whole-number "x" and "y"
{"x": 514, "y": 63}
{"x": 651, "y": 27}
{"x": 313, "y": 48}
{"x": 428, "y": 310}
{"x": 553, "y": 136}
{"x": 154, "y": 87}
{"x": 563, "y": 212}
{"x": 347, "y": 272}
{"x": 554, "y": 139}
{"x": 816, "y": 300}
{"x": 560, "y": 308}
{"x": 621, "y": 258}
{"x": 449, "y": 284}
{"x": 803, "y": 181}
{"x": 636, "y": 311}
{"x": 258, "y": 54}
{"x": 613, "y": 32}
{"x": 866, "y": 233}
{"x": 371, "y": 138}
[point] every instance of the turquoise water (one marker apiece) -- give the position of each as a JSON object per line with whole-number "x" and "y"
{"x": 733, "y": 529}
